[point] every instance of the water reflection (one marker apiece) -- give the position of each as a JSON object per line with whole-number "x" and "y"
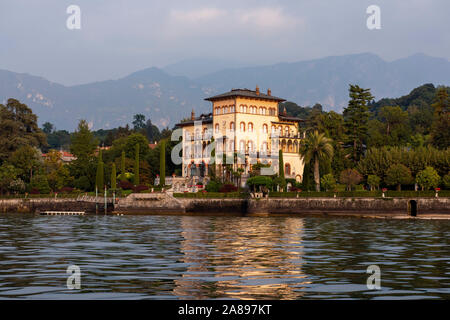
{"x": 222, "y": 257}
{"x": 246, "y": 258}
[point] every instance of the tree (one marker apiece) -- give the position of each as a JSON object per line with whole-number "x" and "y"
{"x": 40, "y": 183}
{"x": 428, "y": 178}
{"x": 259, "y": 182}
{"x": 122, "y": 167}
{"x": 440, "y": 133}
{"x": 281, "y": 164}
{"x": 398, "y": 174}
{"x": 446, "y": 181}
{"x": 136, "y": 166}
{"x": 350, "y": 177}
{"x": 162, "y": 164}
{"x": 25, "y": 160}
{"x": 18, "y": 128}
{"x": 83, "y": 142}
{"x": 328, "y": 182}
{"x": 7, "y": 175}
{"x": 139, "y": 122}
{"x": 373, "y": 181}
{"x": 316, "y": 148}
{"x": 113, "y": 176}
{"x": 57, "y": 173}
{"x": 356, "y": 117}
{"x": 99, "y": 181}
{"x": 47, "y": 128}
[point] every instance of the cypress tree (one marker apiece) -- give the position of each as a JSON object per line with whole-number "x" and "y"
{"x": 99, "y": 181}
{"x": 281, "y": 164}
{"x": 122, "y": 167}
{"x": 162, "y": 164}
{"x": 136, "y": 166}
{"x": 113, "y": 176}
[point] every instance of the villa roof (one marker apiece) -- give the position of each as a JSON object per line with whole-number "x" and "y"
{"x": 246, "y": 93}
{"x": 289, "y": 118}
{"x": 205, "y": 118}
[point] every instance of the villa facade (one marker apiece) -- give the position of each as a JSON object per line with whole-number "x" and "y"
{"x": 245, "y": 127}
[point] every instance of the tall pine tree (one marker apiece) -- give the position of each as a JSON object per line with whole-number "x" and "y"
{"x": 356, "y": 117}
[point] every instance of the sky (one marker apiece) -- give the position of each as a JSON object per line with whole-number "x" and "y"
{"x": 119, "y": 37}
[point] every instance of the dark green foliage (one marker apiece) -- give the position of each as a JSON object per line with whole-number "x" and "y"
{"x": 18, "y": 128}
{"x": 397, "y": 175}
{"x": 99, "y": 182}
{"x": 40, "y": 183}
{"x": 356, "y": 117}
{"x": 136, "y": 166}
{"x": 113, "y": 176}
{"x": 162, "y": 164}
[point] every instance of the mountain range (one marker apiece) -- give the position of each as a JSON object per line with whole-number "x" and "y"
{"x": 167, "y": 95}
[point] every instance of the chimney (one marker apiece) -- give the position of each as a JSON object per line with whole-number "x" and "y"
{"x": 284, "y": 112}
{"x": 269, "y": 92}
{"x": 257, "y": 90}
{"x": 192, "y": 115}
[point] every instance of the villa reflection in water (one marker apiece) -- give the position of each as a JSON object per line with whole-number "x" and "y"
{"x": 242, "y": 259}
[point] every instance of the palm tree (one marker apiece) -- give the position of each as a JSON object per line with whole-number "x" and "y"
{"x": 316, "y": 147}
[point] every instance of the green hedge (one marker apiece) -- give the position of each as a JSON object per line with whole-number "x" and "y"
{"x": 356, "y": 194}
{"x": 211, "y": 195}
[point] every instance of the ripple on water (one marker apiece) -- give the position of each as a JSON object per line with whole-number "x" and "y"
{"x": 171, "y": 257}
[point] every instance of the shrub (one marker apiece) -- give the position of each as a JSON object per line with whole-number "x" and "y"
{"x": 373, "y": 181}
{"x": 139, "y": 188}
{"x": 213, "y": 186}
{"x": 40, "y": 182}
{"x": 228, "y": 188}
{"x": 259, "y": 181}
{"x": 66, "y": 190}
{"x": 82, "y": 183}
{"x": 350, "y": 177}
{"x": 328, "y": 182}
{"x": 428, "y": 178}
{"x": 398, "y": 174}
{"x": 126, "y": 185}
{"x": 34, "y": 191}
{"x": 446, "y": 181}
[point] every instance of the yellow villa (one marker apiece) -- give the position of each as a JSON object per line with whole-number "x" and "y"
{"x": 248, "y": 128}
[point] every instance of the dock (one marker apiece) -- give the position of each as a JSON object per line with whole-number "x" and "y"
{"x": 63, "y": 213}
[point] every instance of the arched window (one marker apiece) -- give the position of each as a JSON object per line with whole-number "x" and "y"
{"x": 216, "y": 128}
{"x": 225, "y": 110}
{"x": 242, "y": 127}
{"x": 250, "y": 127}
{"x": 286, "y": 131}
{"x": 273, "y": 129}
{"x": 287, "y": 169}
{"x": 232, "y": 126}
{"x": 242, "y": 146}
{"x": 280, "y": 130}
{"x": 264, "y": 128}
{"x": 231, "y": 145}
{"x": 241, "y": 108}
{"x": 245, "y": 109}
{"x": 264, "y": 147}
{"x": 251, "y": 146}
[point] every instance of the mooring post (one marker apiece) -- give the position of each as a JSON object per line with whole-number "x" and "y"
{"x": 96, "y": 200}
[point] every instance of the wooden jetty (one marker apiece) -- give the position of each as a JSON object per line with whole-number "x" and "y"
{"x": 63, "y": 213}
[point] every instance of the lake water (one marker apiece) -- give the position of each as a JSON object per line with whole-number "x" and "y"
{"x": 173, "y": 257}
